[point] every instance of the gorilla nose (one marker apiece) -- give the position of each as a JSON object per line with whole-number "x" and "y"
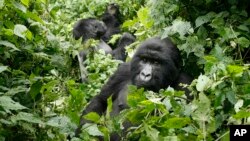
{"x": 146, "y": 74}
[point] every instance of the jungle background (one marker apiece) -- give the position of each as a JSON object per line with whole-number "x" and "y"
{"x": 41, "y": 97}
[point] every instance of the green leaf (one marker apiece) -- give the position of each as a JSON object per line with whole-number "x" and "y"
{"x": 16, "y": 90}
{"x": 28, "y": 35}
{"x": 35, "y": 17}
{"x": 28, "y": 117}
{"x": 243, "y": 42}
{"x": 177, "y": 122}
{"x": 20, "y": 30}
{"x": 35, "y": 89}
{"x": 202, "y": 113}
{"x": 3, "y": 68}
{"x": 143, "y": 15}
{"x": 203, "y": 83}
{"x": 178, "y": 26}
{"x": 109, "y": 108}
{"x": 19, "y": 6}
{"x": 243, "y": 27}
{"x": 235, "y": 71}
{"x": 92, "y": 116}
{"x": 242, "y": 114}
{"x": 59, "y": 122}
{"x": 228, "y": 33}
{"x": 135, "y": 96}
{"x": 92, "y": 129}
{"x": 8, "y": 104}
{"x": 231, "y": 97}
{"x": 1, "y": 4}
{"x": 204, "y": 19}
{"x": 8, "y": 44}
{"x": 238, "y": 105}
{"x": 152, "y": 133}
{"x": 25, "y": 2}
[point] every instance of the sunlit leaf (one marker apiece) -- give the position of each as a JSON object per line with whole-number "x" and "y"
{"x": 1, "y": 4}
{"x": 19, "y": 6}
{"x": 238, "y": 105}
{"x": 92, "y": 116}
{"x": 25, "y": 2}
{"x": 242, "y": 114}
{"x": 20, "y": 30}
{"x": 235, "y": 71}
{"x": 203, "y": 83}
{"x": 152, "y": 133}
{"x": 92, "y": 129}
{"x": 8, "y": 104}
{"x": 178, "y": 26}
{"x": 176, "y": 122}
{"x": 8, "y": 44}
{"x": 3, "y": 68}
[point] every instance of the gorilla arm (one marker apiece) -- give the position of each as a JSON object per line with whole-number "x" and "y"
{"x": 115, "y": 84}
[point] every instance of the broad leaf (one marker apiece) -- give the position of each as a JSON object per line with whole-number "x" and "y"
{"x": 92, "y": 116}
{"x": 8, "y": 104}
{"x": 203, "y": 83}
{"x": 8, "y": 44}
{"x": 20, "y": 30}
{"x": 28, "y": 117}
{"x": 177, "y": 122}
{"x": 3, "y": 68}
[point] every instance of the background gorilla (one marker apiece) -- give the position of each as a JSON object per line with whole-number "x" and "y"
{"x": 93, "y": 28}
{"x": 111, "y": 20}
{"x": 154, "y": 66}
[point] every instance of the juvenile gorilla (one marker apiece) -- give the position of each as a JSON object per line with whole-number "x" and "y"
{"x": 154, "y": 66}
{"x": 111, "y": 20}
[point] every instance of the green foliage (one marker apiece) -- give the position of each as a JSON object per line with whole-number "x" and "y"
{"x": 41, "y": 97}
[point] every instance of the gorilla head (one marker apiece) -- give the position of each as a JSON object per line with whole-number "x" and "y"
{"x": 155, "y": 65}
{"x": 89, "y": 28}
{"x": 113, "y": 9}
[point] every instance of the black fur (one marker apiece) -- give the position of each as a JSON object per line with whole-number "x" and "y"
{"x": 89, "y": 28}
{"x": 111, "y": 20}
{"x": 154, "y": 66}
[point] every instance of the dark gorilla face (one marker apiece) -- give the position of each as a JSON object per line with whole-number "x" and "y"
{"x": 113, "y": 9}
{"x": 155, "y": 64}
{"x": 89, "y": 28}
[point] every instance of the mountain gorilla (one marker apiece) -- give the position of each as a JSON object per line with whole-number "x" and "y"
{"x": 111, "y": 20}
{"x": 93, "y": 28}
{"x": 154, "y": 66}
{"x": 90, "y": 28}
{"x": 103, "y": 30}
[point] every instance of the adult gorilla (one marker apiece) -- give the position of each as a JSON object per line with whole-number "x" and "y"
{"x": 154, "y": 66}
{"x": 93, "y": 28}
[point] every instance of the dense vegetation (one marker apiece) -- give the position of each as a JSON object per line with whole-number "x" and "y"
{"x": 41, "y": 97}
